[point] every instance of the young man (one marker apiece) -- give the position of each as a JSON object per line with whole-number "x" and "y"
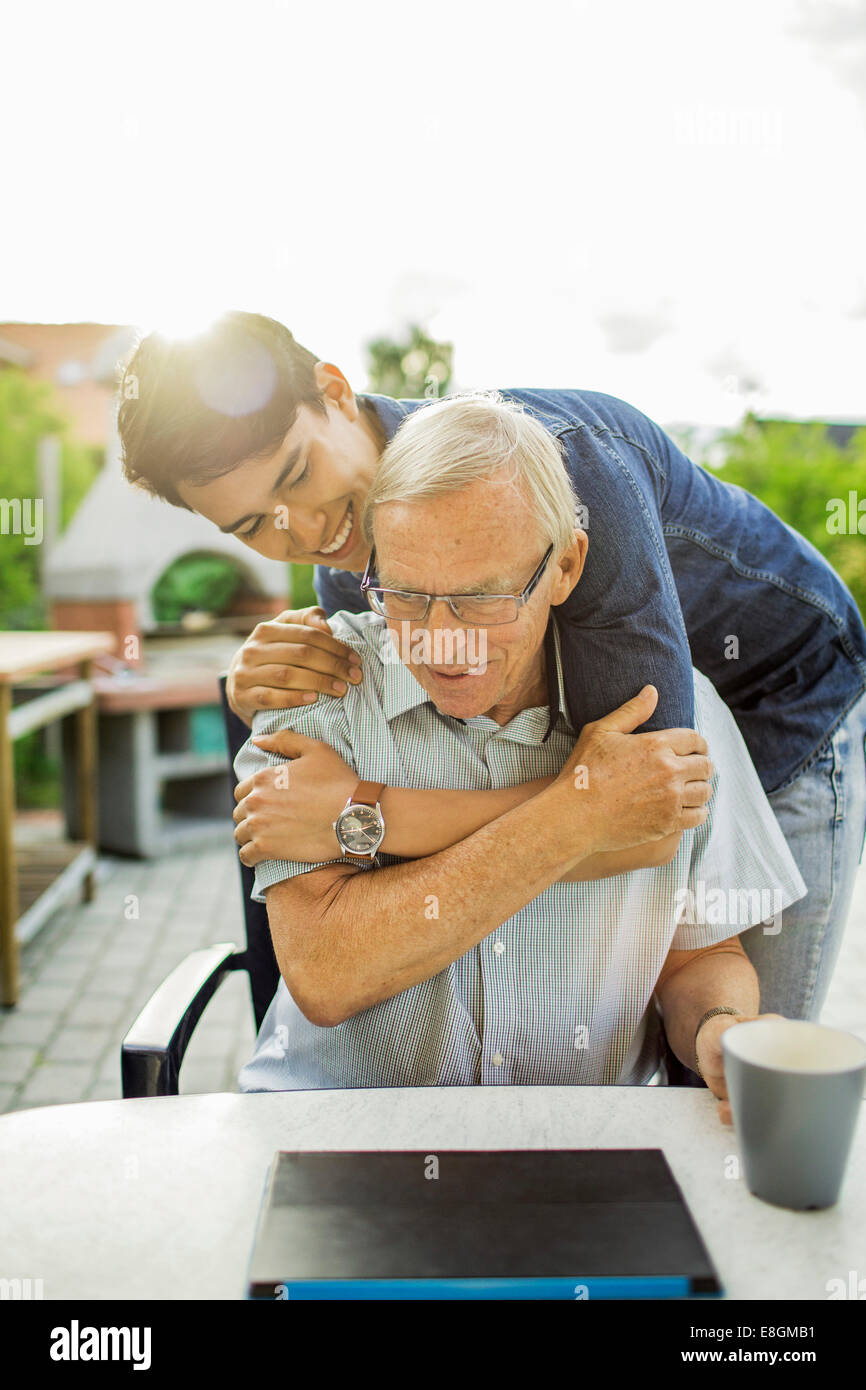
{"x": 485, "y": 963}
{"x": 251, "y": 430}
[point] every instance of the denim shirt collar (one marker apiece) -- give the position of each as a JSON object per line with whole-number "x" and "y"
{"x": 390, "y": 413}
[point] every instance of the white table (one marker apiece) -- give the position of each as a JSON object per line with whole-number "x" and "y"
{"x": 158, "y": 1199}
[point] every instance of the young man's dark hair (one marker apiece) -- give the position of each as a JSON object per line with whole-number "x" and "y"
{"x": 193, "y": 409}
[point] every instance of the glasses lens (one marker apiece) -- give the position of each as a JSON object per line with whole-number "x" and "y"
{"x": 486, "y": 609}
{"x": 396, "y": 604}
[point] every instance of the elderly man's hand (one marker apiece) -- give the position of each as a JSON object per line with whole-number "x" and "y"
{"x": 287, "y": 810}
{"x": 629, "y": 788}
{"x": 711, "y": 1059}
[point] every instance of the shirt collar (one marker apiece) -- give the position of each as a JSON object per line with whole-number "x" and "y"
{"x": 402, "y": 692}
{"x": 556, "y": 701}
{"x": 389, "y": 413}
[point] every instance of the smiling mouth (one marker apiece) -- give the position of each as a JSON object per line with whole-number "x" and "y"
{"x": 342, "y": 535}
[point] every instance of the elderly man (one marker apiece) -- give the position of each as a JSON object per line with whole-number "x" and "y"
{"x": 498, "y": 959}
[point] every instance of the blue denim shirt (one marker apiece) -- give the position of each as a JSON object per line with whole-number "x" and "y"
{"x": 683, "y": 569}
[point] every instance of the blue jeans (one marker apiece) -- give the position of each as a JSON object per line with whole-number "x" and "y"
{"x": 822, "y": 814}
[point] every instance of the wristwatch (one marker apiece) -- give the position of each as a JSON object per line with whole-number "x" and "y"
{"x": 360, "y": 826}
{"x": 711, "y": 1013}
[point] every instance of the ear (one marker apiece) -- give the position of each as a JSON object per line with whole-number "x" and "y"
{"x": 335, "y": 388}
{"x": 570, "y": 565}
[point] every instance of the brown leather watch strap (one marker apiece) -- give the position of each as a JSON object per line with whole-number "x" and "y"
{"x": 368, "y": 793}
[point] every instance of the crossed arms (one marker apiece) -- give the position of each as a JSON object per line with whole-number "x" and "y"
{"x": 346, "y": 938}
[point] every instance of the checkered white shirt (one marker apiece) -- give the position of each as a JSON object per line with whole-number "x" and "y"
{"x": 561, "y": 992}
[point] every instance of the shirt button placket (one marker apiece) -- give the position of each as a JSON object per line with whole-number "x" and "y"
{"x": 496, "y": 780}
{"x": 497, "y": 1058}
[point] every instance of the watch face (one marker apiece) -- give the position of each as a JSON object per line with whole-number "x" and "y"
{"x": 360, "y": 829}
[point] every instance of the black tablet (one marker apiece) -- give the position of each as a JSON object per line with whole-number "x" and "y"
{"x": 521, "y": 1224}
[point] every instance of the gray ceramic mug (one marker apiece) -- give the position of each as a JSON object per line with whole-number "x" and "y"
{"x": 795, "y": 1090}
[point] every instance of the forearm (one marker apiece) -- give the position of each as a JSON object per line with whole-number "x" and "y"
{"x": 380, "y": 932}
{"x": 420, "y": 822}
{"x": 423, "y": 822}
{"x": 721, "y": 976}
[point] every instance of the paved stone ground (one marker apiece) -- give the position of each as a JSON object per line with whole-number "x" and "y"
{"x": 92, "y": 968}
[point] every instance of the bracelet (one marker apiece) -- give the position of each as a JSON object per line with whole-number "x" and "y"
{"x": 711, "y": 1013}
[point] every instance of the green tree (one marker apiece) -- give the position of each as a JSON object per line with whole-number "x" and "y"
{"x": 302, "y": 591}
{"x": 27, "y": 412}
{"x": 798, "y": 471}
{"x": 409, "y": 370}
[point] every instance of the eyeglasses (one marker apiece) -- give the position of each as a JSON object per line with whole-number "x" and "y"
{"x": 477, "y": 610}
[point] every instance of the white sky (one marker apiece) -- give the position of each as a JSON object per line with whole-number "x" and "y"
{"x": 660, "y": 200}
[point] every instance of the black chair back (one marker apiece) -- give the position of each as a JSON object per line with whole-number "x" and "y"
{"x": 258, "y": 959}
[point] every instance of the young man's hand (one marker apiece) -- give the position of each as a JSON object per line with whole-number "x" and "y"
{"x": 287, "y": 661}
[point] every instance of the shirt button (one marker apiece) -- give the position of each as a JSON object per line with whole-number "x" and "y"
{"x": 497, "y": 1059}
{"x": 499, "y": 947}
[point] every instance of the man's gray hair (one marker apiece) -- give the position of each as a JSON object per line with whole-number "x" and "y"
{"x": 450, "y": 443}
